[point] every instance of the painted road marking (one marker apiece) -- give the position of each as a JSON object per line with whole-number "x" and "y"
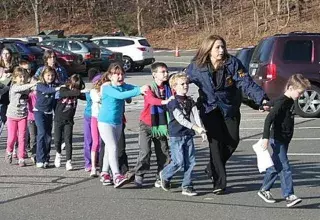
{"x": 296, "y": 128}
{"x": 293, "y": 139}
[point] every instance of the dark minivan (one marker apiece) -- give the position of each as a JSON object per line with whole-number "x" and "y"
{"x": 278, "y": 57}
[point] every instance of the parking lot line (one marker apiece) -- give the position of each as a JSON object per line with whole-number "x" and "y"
{"x": 296, "y": 128}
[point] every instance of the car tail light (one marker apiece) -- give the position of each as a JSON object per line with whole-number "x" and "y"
{"x": 88, "y": 56}
{"x": 31, "y": 57}
{"x": 68, "y": 58}
{"x": 271, "y": 71}
{"x": 112, "y": 57}
{"x": 142, "y": 48}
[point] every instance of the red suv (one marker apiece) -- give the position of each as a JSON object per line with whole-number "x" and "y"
{"x": 277, "y": 57}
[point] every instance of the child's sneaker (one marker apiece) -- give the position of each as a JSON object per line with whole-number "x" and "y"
{"x": 119, "y": 181}
{"x": 138, "y": 180}
{"x": 266, "y": 196}
{"x": 9, "y": 158}
{"x": 87, "y": 169}
{"x": 165, "y": 185}
{"x": 33, "y": 159}
{"x": 40, "y": 165}
{"x": 189, "y": 191}
{"x": 93, "y": 172}
{"x": 157, "y": 183}
{"x": 292, "y": 200}
{"x": 45, "y": 165}
{"x": 22, "y": 163}
{"x": 106, "y": 179}
{"x": 57, "y": 160}
{"x": 69, "y": 165}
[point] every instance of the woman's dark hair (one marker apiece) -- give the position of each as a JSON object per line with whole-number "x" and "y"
{"x": 75, "y": 82}
{"x": 203, "y": 54}
{"x": 46, "y": 55}
{"x": 47, "y": 69}
{"x": 115, "y": 68}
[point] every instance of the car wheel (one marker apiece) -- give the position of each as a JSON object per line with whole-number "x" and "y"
{"x": 139, "y": 68}
{"x": 127, "y": 63}
{"x": 308, "y": 105}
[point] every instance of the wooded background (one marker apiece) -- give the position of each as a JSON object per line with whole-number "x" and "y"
{"x": 166, "y": 23}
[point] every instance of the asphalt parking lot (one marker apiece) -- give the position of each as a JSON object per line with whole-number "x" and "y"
{"x": 31, "y": 193}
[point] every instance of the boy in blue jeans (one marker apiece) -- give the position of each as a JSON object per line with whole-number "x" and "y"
{"x": 184, "y": 121}
{"x": 281, "y": 117}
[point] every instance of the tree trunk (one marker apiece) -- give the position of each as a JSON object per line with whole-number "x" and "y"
{"x": 196, "y": 13}
{"x": 138, "y": 17}
{"x": 212, "y": 13}
{"x": 297, "y": 3}
{"x": 205, "y": 19}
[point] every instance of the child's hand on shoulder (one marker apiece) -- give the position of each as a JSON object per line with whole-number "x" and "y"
{"x": 58, "y": 88}
{"x": 165, "y": 102}
{"x": 198, "y": 129}
{"x": 204, "y": 137}
{"x": 265, "y": 143}
{"x": 144, "y": 89}
{"x": 84, "y": 90}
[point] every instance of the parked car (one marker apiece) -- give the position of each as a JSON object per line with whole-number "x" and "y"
{"x": 90, "y": 52}
{"x": 39, "y": 38}
{"x": 109, "y": 57}
{"x": 244, "y": 55}
{"x": 32, "y": 53}
{"x": 72, "y": 62}
{"x": 24, "y": 39}
{"x": 277, "y": 57}
{"x": 137, "y": 52}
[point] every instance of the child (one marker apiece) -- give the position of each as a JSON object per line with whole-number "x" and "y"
{"x": 65, "y": 111}
{"x": 43, "y": 111}
{"x": 110, "y": 116}
{"x": 153, "y": 124}
{"x": 281, "y": 119}
{"x": 32, "y": 128}
{"x": 17, "y": 114}
{"x": 96, "y": 102}
{"x": 92, "y": 74}
{"x": 184, "y": 120}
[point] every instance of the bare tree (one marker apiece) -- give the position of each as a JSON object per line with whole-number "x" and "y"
{"x": 196, "y": 13}
{"x": 140, "y": 4}
{"x": 35, "y": 6}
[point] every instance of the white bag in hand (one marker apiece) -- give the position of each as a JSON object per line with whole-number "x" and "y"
{"x": 264, "y": 160}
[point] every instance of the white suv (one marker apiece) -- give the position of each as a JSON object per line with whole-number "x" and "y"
{"x": 136, "y": 51}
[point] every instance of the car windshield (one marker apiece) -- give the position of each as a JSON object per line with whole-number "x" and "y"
{"x": 262, "y": 52}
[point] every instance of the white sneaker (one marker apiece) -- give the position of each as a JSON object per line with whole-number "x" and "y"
{"x": 93, "y": 172}
{"x": 69, "y": 165}
{"x": 57, "y": 160}
{"x": 39, "y": 165}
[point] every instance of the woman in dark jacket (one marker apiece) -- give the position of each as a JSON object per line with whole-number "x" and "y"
{"x": 220, "y": 77}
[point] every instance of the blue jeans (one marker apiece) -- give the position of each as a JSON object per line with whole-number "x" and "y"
{"x": 282, "y": 167}
{"x": 44, "y": 129}
{"x": 182, "y": 155}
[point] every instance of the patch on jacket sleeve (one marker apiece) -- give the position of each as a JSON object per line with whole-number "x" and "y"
{"x": 241, "y": 73}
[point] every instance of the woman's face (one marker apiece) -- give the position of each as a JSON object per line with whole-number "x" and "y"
{"x": 51, "y": 60}
{"x": 6, "y": 56}
{"x": 217, "y": 50}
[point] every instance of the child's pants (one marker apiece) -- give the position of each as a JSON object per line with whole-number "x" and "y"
{"x": 17, "y": 130}
{"x": 110, "y": 134}
{"x": 282, "y": 167}
{"x": 63, "y": 128}
{"x": 44, "y": 129}
{"x": 32, "y": 136}
{"x": 95, "y": 135}
{"x": 182, "y": 155}
{"x": 87, "y": 141}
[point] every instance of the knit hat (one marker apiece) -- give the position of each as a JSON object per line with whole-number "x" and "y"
{"x": 96, "y": 78}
